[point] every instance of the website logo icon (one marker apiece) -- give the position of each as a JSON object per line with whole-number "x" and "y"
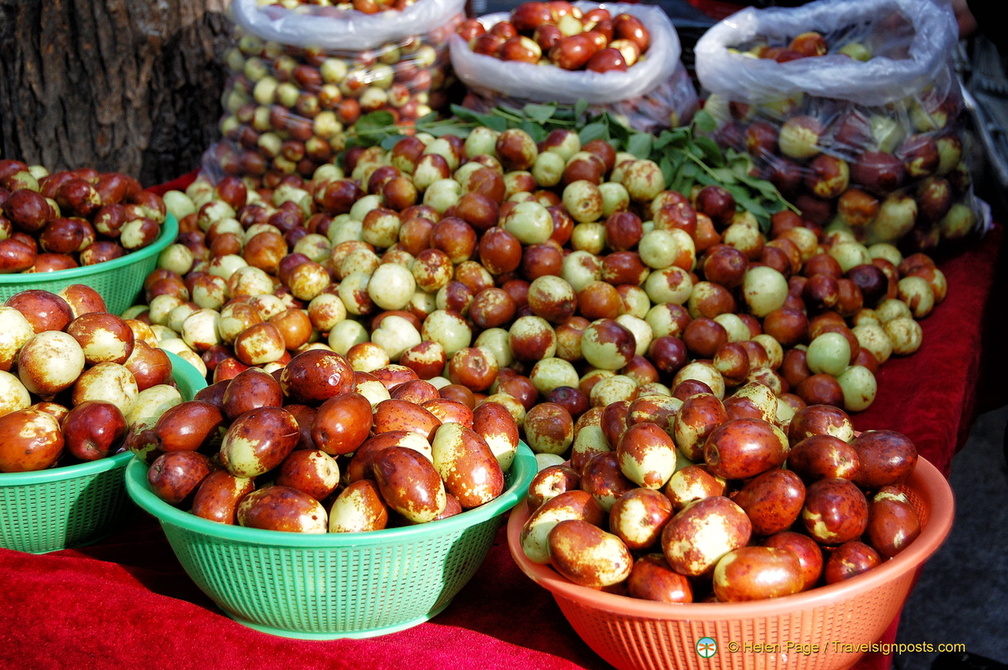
{"x": 706, "y": 647}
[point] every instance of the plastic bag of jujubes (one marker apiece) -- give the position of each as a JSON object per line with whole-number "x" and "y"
{"x": 644, "y": 84}
{"x": 852, "y": 108}
{"x": 302, "y": 74}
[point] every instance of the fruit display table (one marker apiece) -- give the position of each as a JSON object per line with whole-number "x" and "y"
{"x": 126, "y": 602}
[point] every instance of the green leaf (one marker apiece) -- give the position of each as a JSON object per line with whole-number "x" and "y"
{"x": 390, "y": 142}
{"x": 497, "y": 123}
{"x": 441, "y": 130}
{"x": 619, "y": 130}
{"x": 429, "y": 118}
{"x": 704, "y": 122}
{"x": 374, "y": 122}
{"x": 475, "y": 118}
{"x": 535, "y": 131}
{"x": 671, "y": 138}
{"x": 669, "y": 169}
{"x": 463, "y": 112}
{"x": 640, "y": 145}
{"x": 539, "y": 113}
{"x": 761, "y": 186}
{"x": 723, "y": 175}
{"x": 710, "y": 149}
{"x": 593, "y": 131}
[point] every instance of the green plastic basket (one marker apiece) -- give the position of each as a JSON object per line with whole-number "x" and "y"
{"x": 336, "y": 585}
{"x": 75, "y": 505}
{"x": 187, "y": 378}
{"x": 118, "y": 281}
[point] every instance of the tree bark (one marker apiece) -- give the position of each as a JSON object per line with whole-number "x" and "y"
{"x": 120, "y": 85}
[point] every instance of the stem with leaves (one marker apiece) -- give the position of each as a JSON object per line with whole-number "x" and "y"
{"x": 688, "y": 156}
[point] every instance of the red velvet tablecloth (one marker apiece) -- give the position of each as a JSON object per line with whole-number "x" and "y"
{"x": 126, "y": 602}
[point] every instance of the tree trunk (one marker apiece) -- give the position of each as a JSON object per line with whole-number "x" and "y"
{"x": 120, "y": 85}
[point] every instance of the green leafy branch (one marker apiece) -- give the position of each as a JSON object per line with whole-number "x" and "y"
{"x": 688, "y": 156}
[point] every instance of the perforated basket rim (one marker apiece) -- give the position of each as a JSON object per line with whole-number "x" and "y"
{"x": 30, "y": 280}
{"x": 926, "y": 480}
{"x": 89, "y": 469}
{"x": 522, "y": 471}
{"x": 185, "y": 375}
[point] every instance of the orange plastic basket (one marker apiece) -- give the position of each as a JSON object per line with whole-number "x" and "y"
{"x": 843, "y": 619}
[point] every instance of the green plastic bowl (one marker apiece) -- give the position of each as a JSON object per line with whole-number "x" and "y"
{"x": 187, "y": 378}
{"x": 336, "y": 585}
{"x": 75, "y": 505}
{"x": 118, "y": 281}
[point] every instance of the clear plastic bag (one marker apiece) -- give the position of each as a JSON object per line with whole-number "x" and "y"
{"x": 868, "y": 137}
{"x": 655, "y": 93}
{"x": 301, "y": 77}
